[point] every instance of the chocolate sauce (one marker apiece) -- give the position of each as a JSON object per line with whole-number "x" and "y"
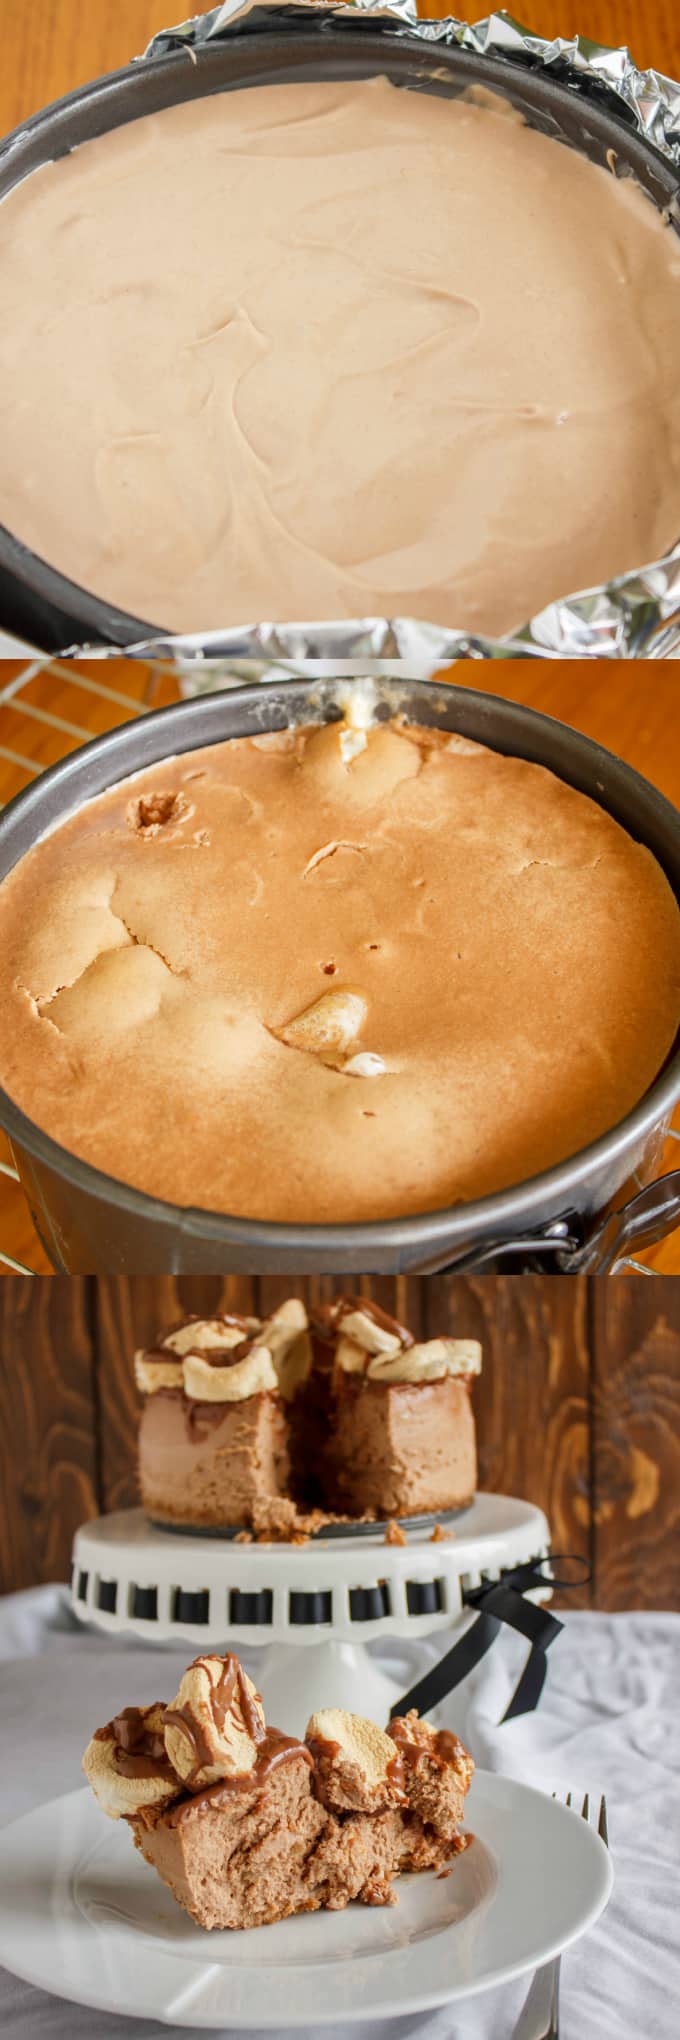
{"x": 139, "y": 1750}
{"x": 162, "y": 1356}
{"x": 274, "y": 1749}
{"x": 224, "y": 1356}
{"x": 355, "y": 1384}
{"x": 442, "y": 1747}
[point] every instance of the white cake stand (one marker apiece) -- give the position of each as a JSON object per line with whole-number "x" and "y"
{"x": 333, "y": 1595}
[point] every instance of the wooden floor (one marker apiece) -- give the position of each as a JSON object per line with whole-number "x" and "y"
{"x": 592, "y": 1369}
{"x": 45, "y": 709}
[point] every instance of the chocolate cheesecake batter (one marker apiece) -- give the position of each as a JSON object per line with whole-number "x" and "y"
{"x": 177, "y": 1001}
{"x": 333, "y": 350}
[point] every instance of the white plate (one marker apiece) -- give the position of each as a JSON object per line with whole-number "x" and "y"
{"x": 78, "y": 1902}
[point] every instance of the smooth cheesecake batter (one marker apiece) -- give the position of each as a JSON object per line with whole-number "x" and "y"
{"x": 333, "y": 975}
{"x": 333, "y": 350}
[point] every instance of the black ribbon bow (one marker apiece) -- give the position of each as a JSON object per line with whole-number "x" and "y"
{"x": 496, "y": 1602}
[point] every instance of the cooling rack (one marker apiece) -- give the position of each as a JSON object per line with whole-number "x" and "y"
{"x": 48, "y": 708}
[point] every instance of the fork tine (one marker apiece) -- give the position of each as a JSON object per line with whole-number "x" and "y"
{"x": 602, "y": 1829}
{"x": 585, "y": 1809}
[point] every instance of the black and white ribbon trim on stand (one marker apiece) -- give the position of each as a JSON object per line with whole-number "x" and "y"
{"x": 497, "y": 1602}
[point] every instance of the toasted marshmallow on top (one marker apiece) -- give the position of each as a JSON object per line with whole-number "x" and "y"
{"x": 214, "y": 1727}
{"x": 252, "y": 1375}
{"x": 361, "y": 1329}
{"x": 429, "y": 1362}
{"x": 276, "y": 1354}
{"x": 330, "y": 1027}
{"x": 198, "y": 1335}
{"x": 201, "y": 1335}
{"x": 127, "y": 1765}
{"x": 286, "y": 1336}
{"x": 357, "y": 1765}
{"x": 358, "y": 699}
{"x": 365, "y": 1064}
{"x": 150, "y": 1375}
{"x": 365, "y": 1348}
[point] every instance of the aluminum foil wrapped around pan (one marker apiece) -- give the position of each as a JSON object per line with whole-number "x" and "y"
{"x": 635, "y": 615}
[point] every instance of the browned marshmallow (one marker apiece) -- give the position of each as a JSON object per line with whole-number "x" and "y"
{"x": 213, "y": 1728}
{"x": 127, "y": 1765}
{"x": 357, "y": 1765}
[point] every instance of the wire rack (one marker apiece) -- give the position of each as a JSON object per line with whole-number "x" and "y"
{"x": 48, "y": 708}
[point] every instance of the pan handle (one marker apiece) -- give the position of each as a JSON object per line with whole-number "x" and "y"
{"x": 641, "y": 1222}
{"x": 644, "y": 1220}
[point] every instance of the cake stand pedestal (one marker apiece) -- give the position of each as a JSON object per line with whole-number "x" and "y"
{"x": 313, "y": 1607}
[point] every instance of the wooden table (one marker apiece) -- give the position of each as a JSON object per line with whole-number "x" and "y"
{"x": 50, "y": 46}
{"x": 43, "y": 707}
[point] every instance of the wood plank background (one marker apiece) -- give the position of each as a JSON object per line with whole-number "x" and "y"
{"x": 578, "y": 1407}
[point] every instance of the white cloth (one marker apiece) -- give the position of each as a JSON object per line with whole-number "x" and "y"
{"x": 608, "y": 1721}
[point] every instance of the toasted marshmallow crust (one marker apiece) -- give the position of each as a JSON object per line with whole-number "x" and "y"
{"x": 214, "y": 1726}
{"x": 127, "y": 1766}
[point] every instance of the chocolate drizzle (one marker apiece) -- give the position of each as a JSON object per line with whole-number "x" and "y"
{"x": 139, "y": 1750}
{"x": 223, "y": 1356}
{"x": 274, "y": 1749}
{"x": 414, "y": 1740}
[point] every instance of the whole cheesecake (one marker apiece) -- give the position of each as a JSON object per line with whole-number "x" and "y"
{"x": 330, "y": 348}
{"x": 266, "y": 1426}
{"x": 334, "y": 974}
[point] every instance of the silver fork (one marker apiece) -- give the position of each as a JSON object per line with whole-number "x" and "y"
{"x": 539, "y": 2018}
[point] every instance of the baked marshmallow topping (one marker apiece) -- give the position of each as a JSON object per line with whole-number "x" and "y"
{"x": 509, "y": 955}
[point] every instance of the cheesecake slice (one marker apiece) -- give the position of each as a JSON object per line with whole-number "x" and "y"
{"x": 213, "y": 1448}
{"x": 247, "y": 1825}
{"x": 401, "y": 1432}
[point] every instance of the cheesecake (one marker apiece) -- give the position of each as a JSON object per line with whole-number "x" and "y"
{"x": 335, "y": 974}
{"x": 331, "y": 348}
{"x": 248, "y": 1825}
{"x": 277, "y": 1426}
